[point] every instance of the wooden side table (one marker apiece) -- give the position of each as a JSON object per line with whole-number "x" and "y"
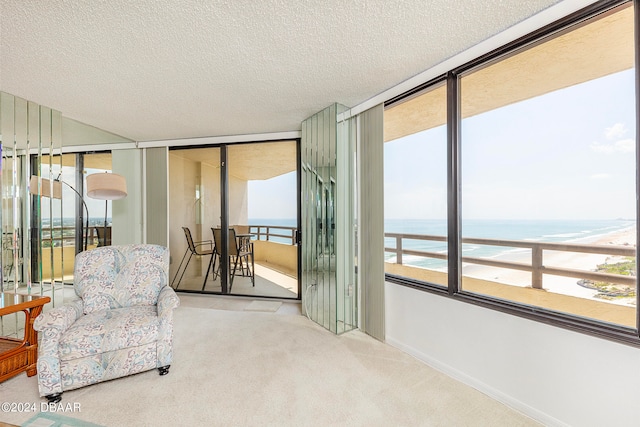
{"x": 18, "y": 355}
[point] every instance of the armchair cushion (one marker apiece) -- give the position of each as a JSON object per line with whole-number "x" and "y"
{"x": 114, "y": 277}
{"x": 109, "y": 330}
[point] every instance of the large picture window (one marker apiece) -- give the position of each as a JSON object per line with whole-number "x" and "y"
{"x": 415, "y": 171}
{"x": 548, "y": 173}
{"x": 521, "y": 195}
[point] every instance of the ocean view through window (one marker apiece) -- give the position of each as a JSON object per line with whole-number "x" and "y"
{"x": 251, "y": 189}
{"x": 415, "y": 205}
{"x": 516, "y": 188}
{"x": 549, "y": 161}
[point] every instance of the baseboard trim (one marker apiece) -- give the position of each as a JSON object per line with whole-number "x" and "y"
{"x": 492, "y": 392}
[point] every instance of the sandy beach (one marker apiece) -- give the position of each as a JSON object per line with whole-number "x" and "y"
{"x": 558, "y": 284}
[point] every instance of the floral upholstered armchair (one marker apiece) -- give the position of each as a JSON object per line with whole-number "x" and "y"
{"x": 122, "y": 323}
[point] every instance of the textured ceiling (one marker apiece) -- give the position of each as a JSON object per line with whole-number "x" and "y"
{"x": 167, "y": 69}
{"x": 563, "y": 60}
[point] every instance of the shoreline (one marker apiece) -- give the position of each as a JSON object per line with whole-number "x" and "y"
{"x": 572, "y": 260}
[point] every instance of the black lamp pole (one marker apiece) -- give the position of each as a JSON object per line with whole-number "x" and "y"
{"x": 104, "y": 234}
{"x": 86, "y": 209}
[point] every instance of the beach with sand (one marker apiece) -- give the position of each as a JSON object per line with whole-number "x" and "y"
{"x": 570, "y": 260}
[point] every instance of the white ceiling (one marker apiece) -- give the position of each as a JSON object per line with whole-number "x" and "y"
{"x": 168, "y": 69}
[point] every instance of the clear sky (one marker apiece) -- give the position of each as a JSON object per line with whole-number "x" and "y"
{"x": 273, "y": 198}
{"x": 568, "y": 154}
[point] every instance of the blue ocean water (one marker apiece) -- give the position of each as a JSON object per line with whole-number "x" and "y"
{"x": 528, "y": 230}
{"x": 283, "y": 222}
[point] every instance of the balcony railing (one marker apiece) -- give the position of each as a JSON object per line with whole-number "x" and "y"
{"x": 269, "y": 232}
{"x": 536, "y": 267}
{"x": 262, "y": 232}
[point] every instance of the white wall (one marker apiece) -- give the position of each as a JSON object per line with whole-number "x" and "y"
{"x": 551, "y": 374}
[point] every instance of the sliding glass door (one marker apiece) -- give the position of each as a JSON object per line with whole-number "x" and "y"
{"x": 239, "y": 205}
{"x": 262, "y": 182}
{"x": 194, "y": 191}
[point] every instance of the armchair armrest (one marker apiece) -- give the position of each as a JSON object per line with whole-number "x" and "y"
{"x": 167, "y": 301}
{"x": 52, "y": 325}
{"x": 59, "y": 318}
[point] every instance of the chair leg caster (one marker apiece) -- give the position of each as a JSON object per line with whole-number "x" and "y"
{"x": 54, "y": 398}
{"x": 164, "y": 370}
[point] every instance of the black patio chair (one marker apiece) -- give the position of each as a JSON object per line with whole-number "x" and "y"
{"x": 240, "y": 255}
{"x": 193, "y": 248}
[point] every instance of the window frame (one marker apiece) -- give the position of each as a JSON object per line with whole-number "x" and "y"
{"x": 433, "y": 84}
{"x": 590, "y": 326}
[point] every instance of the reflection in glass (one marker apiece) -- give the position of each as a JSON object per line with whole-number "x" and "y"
{"x": 65, "y": 231}
{"x": 328, "y": 274}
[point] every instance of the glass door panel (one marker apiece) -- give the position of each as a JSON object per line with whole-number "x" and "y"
{"x": 194, "y": 189}
{"x": 262, "y": 183}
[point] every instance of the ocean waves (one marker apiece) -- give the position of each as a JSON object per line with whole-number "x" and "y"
{"x": 565, "y": 231}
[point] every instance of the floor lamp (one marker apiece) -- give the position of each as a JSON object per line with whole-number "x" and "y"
{"x": 46, "y": 189}
{"x": 106, "y": 186}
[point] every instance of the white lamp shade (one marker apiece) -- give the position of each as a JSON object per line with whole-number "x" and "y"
{"x": 106, "y": 186}
{"x": 45, "y": 188}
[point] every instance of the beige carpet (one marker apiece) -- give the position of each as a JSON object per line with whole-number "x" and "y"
{"x": 244, "y": 368}
{"x": 269, "y": 306}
